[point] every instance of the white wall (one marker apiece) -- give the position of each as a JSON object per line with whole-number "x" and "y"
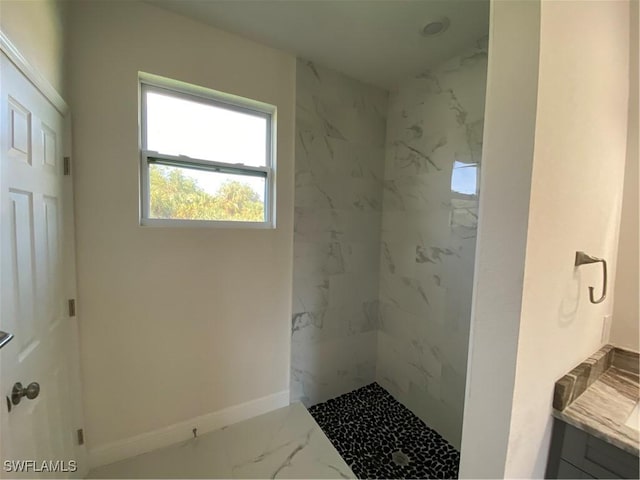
{"x": 37, "y": 29}
{"x": 576, "y": 194}
{"x": 626, "y": 318}
{"x": 507, "y": 154}
{"x": 531, "y": 309}
{"x": 175, "y": 322}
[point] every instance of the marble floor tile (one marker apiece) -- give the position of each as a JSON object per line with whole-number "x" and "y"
{"x": 285, "y": 443}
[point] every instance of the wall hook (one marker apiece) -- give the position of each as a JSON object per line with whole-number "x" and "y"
{"x": 584, "y": 259}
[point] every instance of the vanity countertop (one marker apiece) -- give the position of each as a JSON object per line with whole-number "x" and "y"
{"x": 600, "y": 394}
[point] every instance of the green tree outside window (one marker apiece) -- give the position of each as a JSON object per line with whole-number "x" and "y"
{"x": 174, "y": 195}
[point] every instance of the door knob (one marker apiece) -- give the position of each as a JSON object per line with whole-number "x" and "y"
{"x": 31, "y": 392}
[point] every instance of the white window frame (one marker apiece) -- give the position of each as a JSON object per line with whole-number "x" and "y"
{"x": 176, "y": 89}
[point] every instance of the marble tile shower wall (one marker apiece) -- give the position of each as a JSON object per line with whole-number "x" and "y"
{"x": 430, "y": 204}
{"x": 340, "y": 149}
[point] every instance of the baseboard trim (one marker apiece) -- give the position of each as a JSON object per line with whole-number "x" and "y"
{"x": 163, "y": 437}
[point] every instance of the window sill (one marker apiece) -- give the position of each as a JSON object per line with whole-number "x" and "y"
{"x": 175, "y": 223}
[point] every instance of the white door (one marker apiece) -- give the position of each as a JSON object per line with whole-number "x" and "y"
{"x": 38, "y": 279}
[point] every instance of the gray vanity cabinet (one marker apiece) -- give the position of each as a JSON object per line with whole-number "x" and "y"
{"x": 576, "y": 454}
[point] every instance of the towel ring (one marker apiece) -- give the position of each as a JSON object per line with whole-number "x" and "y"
{"x": 584, "y": 259}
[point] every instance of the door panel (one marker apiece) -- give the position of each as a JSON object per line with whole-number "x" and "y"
{"x": 49, "y": 147}
{"x": 22, "y": 283}
{"x": 38, "y": 277}
{"x": 19, "y": 132}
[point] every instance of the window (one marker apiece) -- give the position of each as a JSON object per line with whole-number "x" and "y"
{"x": 206, "y": 157}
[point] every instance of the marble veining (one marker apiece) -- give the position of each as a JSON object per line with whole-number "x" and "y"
{"x": 574, "y": 383}
{"x": 285, "y": 443}
{"x": 429, "y": 223}
{"x": 340, "y": 132}
{"x": 386, "y": 214}
{"x": 599, "y": 395}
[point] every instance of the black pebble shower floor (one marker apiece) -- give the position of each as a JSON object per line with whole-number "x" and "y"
{"x": 380, "y": 438}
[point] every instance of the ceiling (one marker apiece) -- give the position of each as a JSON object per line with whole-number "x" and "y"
{"x": 375, "y": 41}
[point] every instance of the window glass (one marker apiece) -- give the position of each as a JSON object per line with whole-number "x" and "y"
{"x": 205, "y": 158}
{"x": 179, "y": 126}
{"x": 195, "y": 194}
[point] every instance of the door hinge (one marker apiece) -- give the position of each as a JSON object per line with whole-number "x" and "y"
{"x": 80, "y": 434}
{"x": 72, "y": 307}
{"x": 67, "y": 166}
